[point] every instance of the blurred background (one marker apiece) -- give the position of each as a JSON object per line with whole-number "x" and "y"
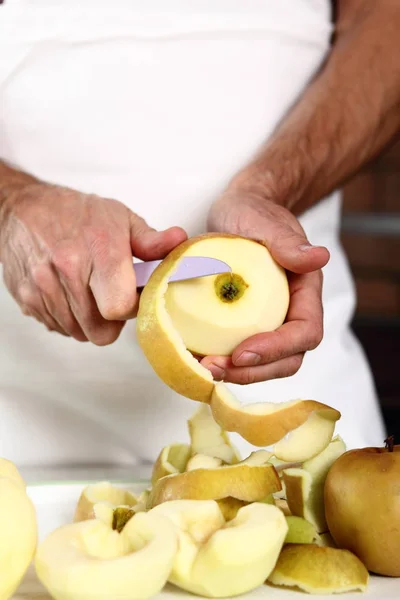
{"x": 371, "y": 237}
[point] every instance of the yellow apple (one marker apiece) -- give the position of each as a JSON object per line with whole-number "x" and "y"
{"x": 18, "y": 529}
{"x": 214, "y": 314}
{"x": 362, "y": 506}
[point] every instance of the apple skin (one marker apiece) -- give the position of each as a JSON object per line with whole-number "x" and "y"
{"x": 362, "y": 507}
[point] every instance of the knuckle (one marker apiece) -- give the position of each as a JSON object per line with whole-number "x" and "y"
{"x": 294, "y": 365}
{"x": 115, "y": 309}
{"x": 315, "y": 337}
{"x": 106, "y": 335}
{"x": 27, "y": 296}
{"x": 248, "y": 376}
{"x": 67, "y": 261}
{"x": 41, "y": 276}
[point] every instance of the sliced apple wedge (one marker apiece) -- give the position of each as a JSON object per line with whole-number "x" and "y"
{"x": 99, "y": 492}
{"x": 91, "y": 560}
{"x": 243, "y": 482}
{"x": 172, "y": 459}
{"x": 310, "y": 424}
{"x": 305, "y": 486}
{"x": 208, "y": 315}
{"x": 319, "y": 570}
{"x": 300, "y": 531}
{"x": 207, "y": 437}
{"x": 217, "y": 559}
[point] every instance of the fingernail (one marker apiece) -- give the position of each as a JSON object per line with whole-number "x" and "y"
{"x": 247, "y": 359}
{"x": 217, "y": 372}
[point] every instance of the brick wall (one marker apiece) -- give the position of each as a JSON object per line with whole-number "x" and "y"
{"x": 371, "y": 235}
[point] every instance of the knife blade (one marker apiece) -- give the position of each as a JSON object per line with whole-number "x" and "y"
{"x": 189, "y": 267}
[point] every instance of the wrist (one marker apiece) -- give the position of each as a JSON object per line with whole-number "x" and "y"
{"x": 273, "y": 177}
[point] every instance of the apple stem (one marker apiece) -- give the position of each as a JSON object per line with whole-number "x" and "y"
{"x": 120, "y": 518}
{"x": 389, "y": 443}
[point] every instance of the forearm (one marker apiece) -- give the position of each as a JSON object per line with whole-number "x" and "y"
{"x": 347, "y": 115}
{"x": 11, "y": 181}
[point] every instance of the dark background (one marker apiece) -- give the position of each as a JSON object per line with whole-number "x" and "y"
{"x": 371, "y": 237}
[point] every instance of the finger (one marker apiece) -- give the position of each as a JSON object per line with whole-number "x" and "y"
{"x": 55, "y": 301}
{"x": 76, "y": 277}
{"x": 294, "y": 252}
{"x": 302, "y": 331}
{"x": 247, "y": 375}
{"x": 149, "y": 244}
{"x": 32, "y": 304}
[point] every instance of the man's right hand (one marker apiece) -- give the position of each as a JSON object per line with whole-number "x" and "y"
{"x": 67, "y": 258}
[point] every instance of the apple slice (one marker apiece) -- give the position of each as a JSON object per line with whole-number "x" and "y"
{"x": 300, "y": 531}
{"x": 98, "y": 492}
{"x": 91, "y": 560}
{"x": 217, "y": 559}
{"x": 172, "y": 459}
{"x": 207, "y": 437}
{"x": 243, "y": 482}
{"x": 18, "y": 529}
{"x": 305, "y": 486}
{"x": 208, "y": 315}
{"x": 310, "y": 424}
{"x": 319, "y": 570}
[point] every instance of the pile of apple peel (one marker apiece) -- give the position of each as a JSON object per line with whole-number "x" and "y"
{"x": 211, "y": 316}
{"x": 210, "y": 523}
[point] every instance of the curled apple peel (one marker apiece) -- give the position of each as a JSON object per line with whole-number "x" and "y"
{"x": 190, "y": 314}
{"x": 319, "y": 570}
{"x": 249, "y": 483}
{"x": 172, "y": 459}
{"x": 308, "y": 425}
{"x": 218, "y": 559}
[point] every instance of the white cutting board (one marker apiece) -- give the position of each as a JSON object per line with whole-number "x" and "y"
{"x": 55, "y": 504}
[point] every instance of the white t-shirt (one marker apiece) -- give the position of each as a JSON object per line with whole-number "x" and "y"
{"x": 157, "y": 104}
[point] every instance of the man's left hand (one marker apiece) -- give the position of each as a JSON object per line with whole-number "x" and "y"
{"x": 278, "y": 353}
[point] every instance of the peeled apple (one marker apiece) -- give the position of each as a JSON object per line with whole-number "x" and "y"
{"x": 18, "y": 529}
{"x": 212, "y": 315}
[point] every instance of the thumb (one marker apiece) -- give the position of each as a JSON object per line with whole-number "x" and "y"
{"x": 293, "y": 251}
{"x": 149, "y": 244}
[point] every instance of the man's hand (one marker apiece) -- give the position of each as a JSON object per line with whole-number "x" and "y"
{"x": 278, "y": 353}
{"x": 67, "y": 258}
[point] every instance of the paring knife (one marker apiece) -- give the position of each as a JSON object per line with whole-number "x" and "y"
{"x": 188, "y": 268}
